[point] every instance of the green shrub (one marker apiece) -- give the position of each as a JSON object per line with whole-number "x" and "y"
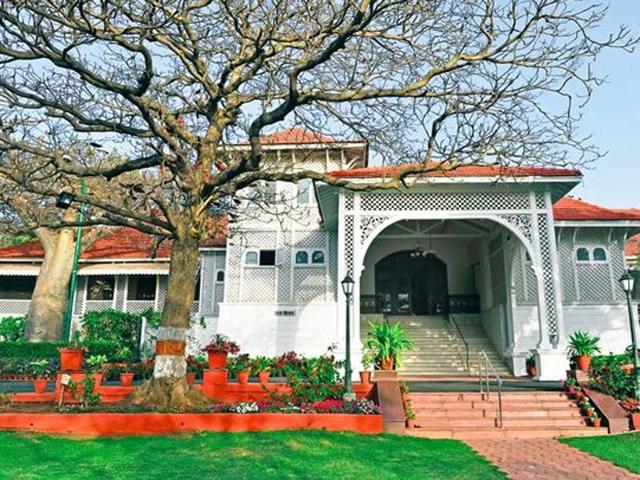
{"x": 609, "y": 378}
{"x": 36, "y": 350}
{"x": 12, "y": 329}
{"x": 582, "y": 344}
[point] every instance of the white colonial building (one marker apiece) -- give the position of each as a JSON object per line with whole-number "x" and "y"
{"x": 478, "y": 258}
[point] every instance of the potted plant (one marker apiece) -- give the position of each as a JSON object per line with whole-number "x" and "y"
{"x": 242, "y": 368}
{"x": 262, "y": 365}
{"x": 218, "y": 349}
{"x": 588, "y": 409}
{"x": 595, "y": 420}
{"x": 368, "y": 361}
{"x": 532, "y": 371}
{"x": 579, "y": 394}
{"x": 40, "y": 371}
{"x": 582, "y": 346}
{"x": 195, "y": 368}
{"x": 389, "y": 341}
{"x": 125, "y": 366}
{"x": 72, "y": 356}
{"x": 96, "y": 366}
{"x": 411, "y": 417}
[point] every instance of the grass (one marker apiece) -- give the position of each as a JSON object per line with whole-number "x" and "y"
{"x": 621, "y": 450}
{"x": 264, "y": 456}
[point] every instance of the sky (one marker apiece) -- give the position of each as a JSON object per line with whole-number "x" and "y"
{"x": 613, "y": 118}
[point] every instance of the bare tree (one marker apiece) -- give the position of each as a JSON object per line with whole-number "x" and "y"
{"x": 174, "y": 83}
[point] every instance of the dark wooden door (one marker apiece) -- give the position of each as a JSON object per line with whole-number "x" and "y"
{"x": 407, "y": 285}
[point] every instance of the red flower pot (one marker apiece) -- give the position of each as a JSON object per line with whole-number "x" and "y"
{"x": 596, "y": 422}
{"x": 71, "y": 359}
{"x": 126, "y": 379}
{"x": 264, "y": 377}
{"x": 40, "y": 385}
{"x": 217, "y": 360}
{"x": 410, "y": 423}
{"x": 635, "y": 421}
{"x": 191, "y": 378}
{"x": 583, "y": 362}
{"x": 365, "y": 378}
{"x": 243, "y": 377}
{"x": 532, "y": 371}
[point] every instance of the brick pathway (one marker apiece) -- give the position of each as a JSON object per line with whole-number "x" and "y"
{"x": 546, "y": 459}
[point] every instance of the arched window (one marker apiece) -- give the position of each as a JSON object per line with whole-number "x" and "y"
{"x": 251, "y": 258}
{"x": 582, "y": 255}
{"x": 302, "y": 257}
{"x": 599, "y": 254}
{"x": 220, "y": 276}
{"x": 317, "y": 257}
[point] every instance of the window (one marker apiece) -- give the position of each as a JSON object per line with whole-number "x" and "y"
{"x": 306, "y": 257}
{"x": 599, "y": 255}
{"x": 305, "y": 192}
{"x": 196, "y": 294}
{"x": 302, "y": 257}
{"x": 13, "y": 287}
{"x": 100, "y": 288}
{"x": 263, "y": 258}
{"x": 141, "y": 287}
{"x": 220, "y": 276}
{"x": 582, "y": 255}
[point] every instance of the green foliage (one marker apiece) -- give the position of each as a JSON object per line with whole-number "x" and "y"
{"x": 582, "y": 343}
{"x": 261, "y": 364}
{"x": 312, "y": 379}
{"x": 36, "y": 350}
{"x": 389, "y": 342}
{"x": 240, "y": 363}
{"x": 40, "y": 368}
{"x": 369, "y": 358}
{"x": 609, "y": 378}
{"x": 12, "y": 329}
{"x": 96, "y": 362}
{"x": 621, "y": 450}
{"x": 121, "y": 328}
{"x": 6, "y": 240}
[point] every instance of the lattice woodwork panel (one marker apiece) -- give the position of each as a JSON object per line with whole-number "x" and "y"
{"x": 333, "y": 266}
{"x": 218, "y": 297}
{"x": 547, "y": 275}
{"x": 567, "y": 266}
{"x": 163, "y": 281}
{"x": 309, "y": 239}
{"x": 260, "y": 239}
{"x": 368, "y": 224}
{"x": 540, "y": 201}
{"x": 233, "y": 273}
{"x": 208, "y": 271}
{"x": 97, "y": 305}
{"x": 284, "y": 269}
{"x": 139, "y": 306}
{"x": 310, "y": 284}
{"x": 14, "y": 307}
{"x": 120, "y": 291}
{"x": 349, "y": 243}
{"x": 617, "y": 259}
{"x": 517, "y": 277}
{"x": 594, "y": 281}
{"x": 454, "y": 201}
{"x": 80, "y": 295}
{"x": 522, "y": 222}
{"x": 348, "y": 201}
{"x": 258, "y": 285}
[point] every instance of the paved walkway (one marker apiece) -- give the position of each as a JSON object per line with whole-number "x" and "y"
{"x": 546, "y": 459}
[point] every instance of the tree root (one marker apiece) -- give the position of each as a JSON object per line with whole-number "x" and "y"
{"x": 169, "y": 394}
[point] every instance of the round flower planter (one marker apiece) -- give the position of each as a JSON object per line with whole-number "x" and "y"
{"x": 40, "y": 385}
{"x": 263, "y": 377}
{"x": 365, "y": 378}
{"x": 243, "y": 377}
{"x": 217, "y": 360}
{"x": 71, "y": 359}
{"x": 583, "y": 362}
{"x": 126, "y": 379}
{"x": 191, "y": 378}
{"x": 596, "y": 422}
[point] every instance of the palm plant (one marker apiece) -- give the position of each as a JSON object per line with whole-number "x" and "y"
{"x": 389, "y": 342}
{"x": 583, "y": 344}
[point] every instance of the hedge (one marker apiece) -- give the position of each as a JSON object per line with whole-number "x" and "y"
{"x": 38, "y": 350}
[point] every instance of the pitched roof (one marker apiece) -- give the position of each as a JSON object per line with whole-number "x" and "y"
{"x": 575, "y": 209}
{"x": 295, "y": 136}
{"x": 468, "y": 170}
{"x": 119, "y": 243}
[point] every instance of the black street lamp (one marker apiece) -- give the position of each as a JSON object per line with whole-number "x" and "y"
{"x": 627, "y": 282}
{"x": 347, "y": 288}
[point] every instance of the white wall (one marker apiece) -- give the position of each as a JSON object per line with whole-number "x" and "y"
{"x": 493, "y": 324}
{"x": 452, "y": 251}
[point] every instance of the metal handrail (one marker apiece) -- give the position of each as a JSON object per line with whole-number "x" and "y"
{"x": 455, "y": 329}
{"x": 483, "y": 360}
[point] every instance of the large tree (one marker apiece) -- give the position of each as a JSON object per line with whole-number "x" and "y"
{"x": 174, "y": 83}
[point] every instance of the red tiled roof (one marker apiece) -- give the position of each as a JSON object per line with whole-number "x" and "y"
{"x": 632, "y": 249}
{"x": 122, "y": 243}
{"x": 471, "y": 170}
{"x": 295, "y": 136}
{"x": 574, "y": 209}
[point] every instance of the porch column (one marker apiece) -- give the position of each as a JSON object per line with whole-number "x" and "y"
{"x": 551, "y": 360}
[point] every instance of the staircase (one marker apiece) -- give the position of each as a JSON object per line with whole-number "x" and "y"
{"x": 438, "y": 352}
{"x": 531, "y": 414}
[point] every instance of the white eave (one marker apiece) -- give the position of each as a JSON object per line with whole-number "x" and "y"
{"x": 103, "y": 268}
{"x": 598, "y": 223}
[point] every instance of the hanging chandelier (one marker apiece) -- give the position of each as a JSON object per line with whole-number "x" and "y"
{"x": 420, "y": 252}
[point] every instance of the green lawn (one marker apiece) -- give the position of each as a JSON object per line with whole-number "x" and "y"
{"x": 275, "y": 455}
{"x": 619, "y": 449}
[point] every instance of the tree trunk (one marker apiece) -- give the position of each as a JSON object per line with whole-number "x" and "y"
{"x": 168, "y": 389}
{"x": 49, "y": 299}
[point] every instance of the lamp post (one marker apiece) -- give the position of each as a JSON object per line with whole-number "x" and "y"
{"x": 627, "y": 282}
{"x": 347, "y": 288}
{"x": 65, "y": 199}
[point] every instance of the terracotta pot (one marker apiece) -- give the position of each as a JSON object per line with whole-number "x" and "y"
{"x": 365, "y": 378}
{"x": 579, "y": 395}
{"x": 627, "y": 368}
{"x": 97, "y": 378}
{"x": 596, "y": 422}
{"x": 635, "y": 421}
{"x": 40, "y": 385}
{"x": 217, "y": 360}
{"x": 590, "y": 412}
{"x": 126, "y": 379}
{"x": 264, "y": 377}
{"x": 243, "y": 377}
{"x": 191, "y": 378}
{"x": 532, "y": 371}
{"x": 410, "y": 423}
{"x": 71, "y": 359}
{"x": 583, "y": 362}
{"x": 386, "y": 363}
